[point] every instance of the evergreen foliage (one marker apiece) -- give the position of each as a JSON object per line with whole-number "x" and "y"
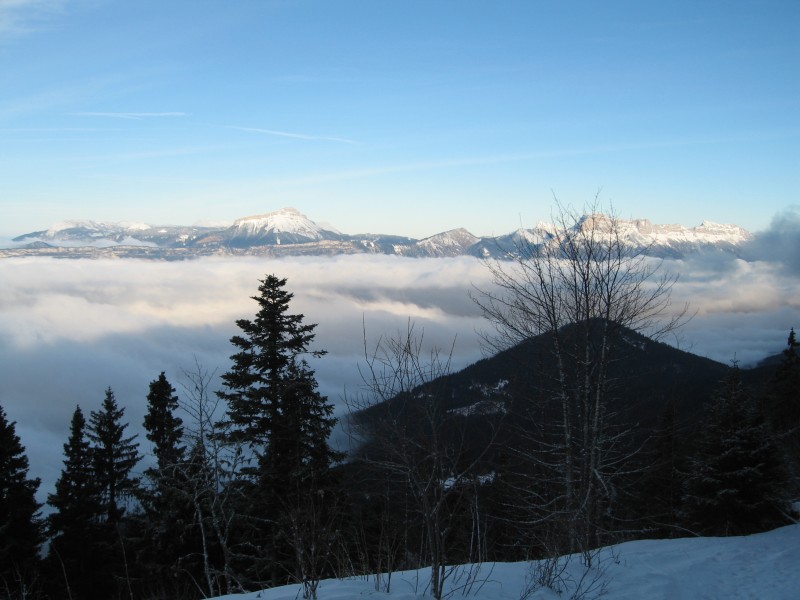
{"x": 114, "y": 456}
{"x": 78, "y": 555}
{"x": 736, "y": 478}
{"x": 165, "y": 530}
{"x": 658, "y": 495}
{"x": 269, "y": 347}
{"x": 275, "y": 408}
{"x": 76, "y": 499}
{"x": 164, "y": 428}
{"x": 20, "y": 525}
{"x": 785, "y": 387}
{"x": 782, "y": 403}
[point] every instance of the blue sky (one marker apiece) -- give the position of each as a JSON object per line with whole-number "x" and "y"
{"x": 397, "y": 116}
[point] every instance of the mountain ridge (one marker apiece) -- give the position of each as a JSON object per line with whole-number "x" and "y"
{"x": 289, "y": 232}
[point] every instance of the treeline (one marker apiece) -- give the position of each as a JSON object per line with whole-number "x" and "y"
{"x": 236, "y": 499}
{"x": 244, "y": 490}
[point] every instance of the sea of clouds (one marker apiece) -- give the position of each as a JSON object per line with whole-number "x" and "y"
{"x": 69, "y": 329}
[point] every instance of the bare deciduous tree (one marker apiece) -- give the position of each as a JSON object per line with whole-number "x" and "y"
{"x": 581, "y": 286}
{"x": 211, "y": 484}
{"x": 410, "y": 438}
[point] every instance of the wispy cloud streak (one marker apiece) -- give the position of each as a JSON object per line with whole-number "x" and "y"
{"x": 130, "y": 115}
{"x": 296, "y": 136}
{"x": 468, "y": 161}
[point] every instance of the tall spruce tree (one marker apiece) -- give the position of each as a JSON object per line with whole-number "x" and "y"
{"x": 114, "y": 456}
{"x": 270, "y": 345}
{"x": 659, "y": 493}
{"x": 20, "y": 525}
{"x": 782, "y": 404}
{"x": 164, "y": 529}
{"x": 785, "y": 388}
{"x": 77, "y": 560}
{"x": 164, "y": 428}
{"x": 736, "y": 478}
{"x": 275, "y": 408}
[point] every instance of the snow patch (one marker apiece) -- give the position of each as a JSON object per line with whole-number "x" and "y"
{"x": 635, "y": 343}
{"x": 452, "y": 482}
{"x": 483, "y": 407}
{"x": 757, "y": 566}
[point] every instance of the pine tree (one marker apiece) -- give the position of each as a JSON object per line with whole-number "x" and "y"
{"x": 269, "y": 347}
{"x": 274, "y": 406}
{"x": 659, "y": 494}
{"x": 20, "y": 525}
{"x": 76, "y": 499}
{"x": 164, "y": 428}
{"x": 736, "y": 478}
{"x": 165, "y": 527}
{"x": 114, "y": 456}
{"x": 77, "y": 560}
{"x": 113, "y": 459}
{"x": 785, "y": 387}
{"x": 782, "y": 404}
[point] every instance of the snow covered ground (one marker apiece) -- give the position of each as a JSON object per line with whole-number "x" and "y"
{"x": 765, "y": 566}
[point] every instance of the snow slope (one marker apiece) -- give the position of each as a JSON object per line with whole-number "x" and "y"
{"x": 762, "y": 566}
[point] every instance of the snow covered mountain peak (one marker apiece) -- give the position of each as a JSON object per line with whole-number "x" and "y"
{"x": 285, "y": 220}
{"x": 65, "y": 227}
{"x": 277, "y": 219}
{"x": 57, "y": 228}
{"x": 448, "y": 243}
{"x": 644, "y": 232}
{"x": 722, "y": 230}
{"x": 287, "y": 225}
{"x": 706, "y": 234}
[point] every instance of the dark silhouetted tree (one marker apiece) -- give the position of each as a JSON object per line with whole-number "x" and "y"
{"x": 659, "y": 493}
{"x": 78, "y": 557}
{"x": 275, "y": 408}
{"x": 165, "y": 529}
{"x": 114, "y": 457}
{"x": 20, "y": 525}
{"x": 164, "y": 428}
{"x": 736, "y": 479}
{"x": 782, "y": 404}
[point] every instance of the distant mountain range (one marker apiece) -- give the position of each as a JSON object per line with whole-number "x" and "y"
{"x": 287, "y": 232}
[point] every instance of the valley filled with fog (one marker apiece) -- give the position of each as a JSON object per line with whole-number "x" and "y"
{"x": 71, "y": 328}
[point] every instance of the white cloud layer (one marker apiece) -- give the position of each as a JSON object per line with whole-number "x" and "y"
{"x": 71, "y": 328}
